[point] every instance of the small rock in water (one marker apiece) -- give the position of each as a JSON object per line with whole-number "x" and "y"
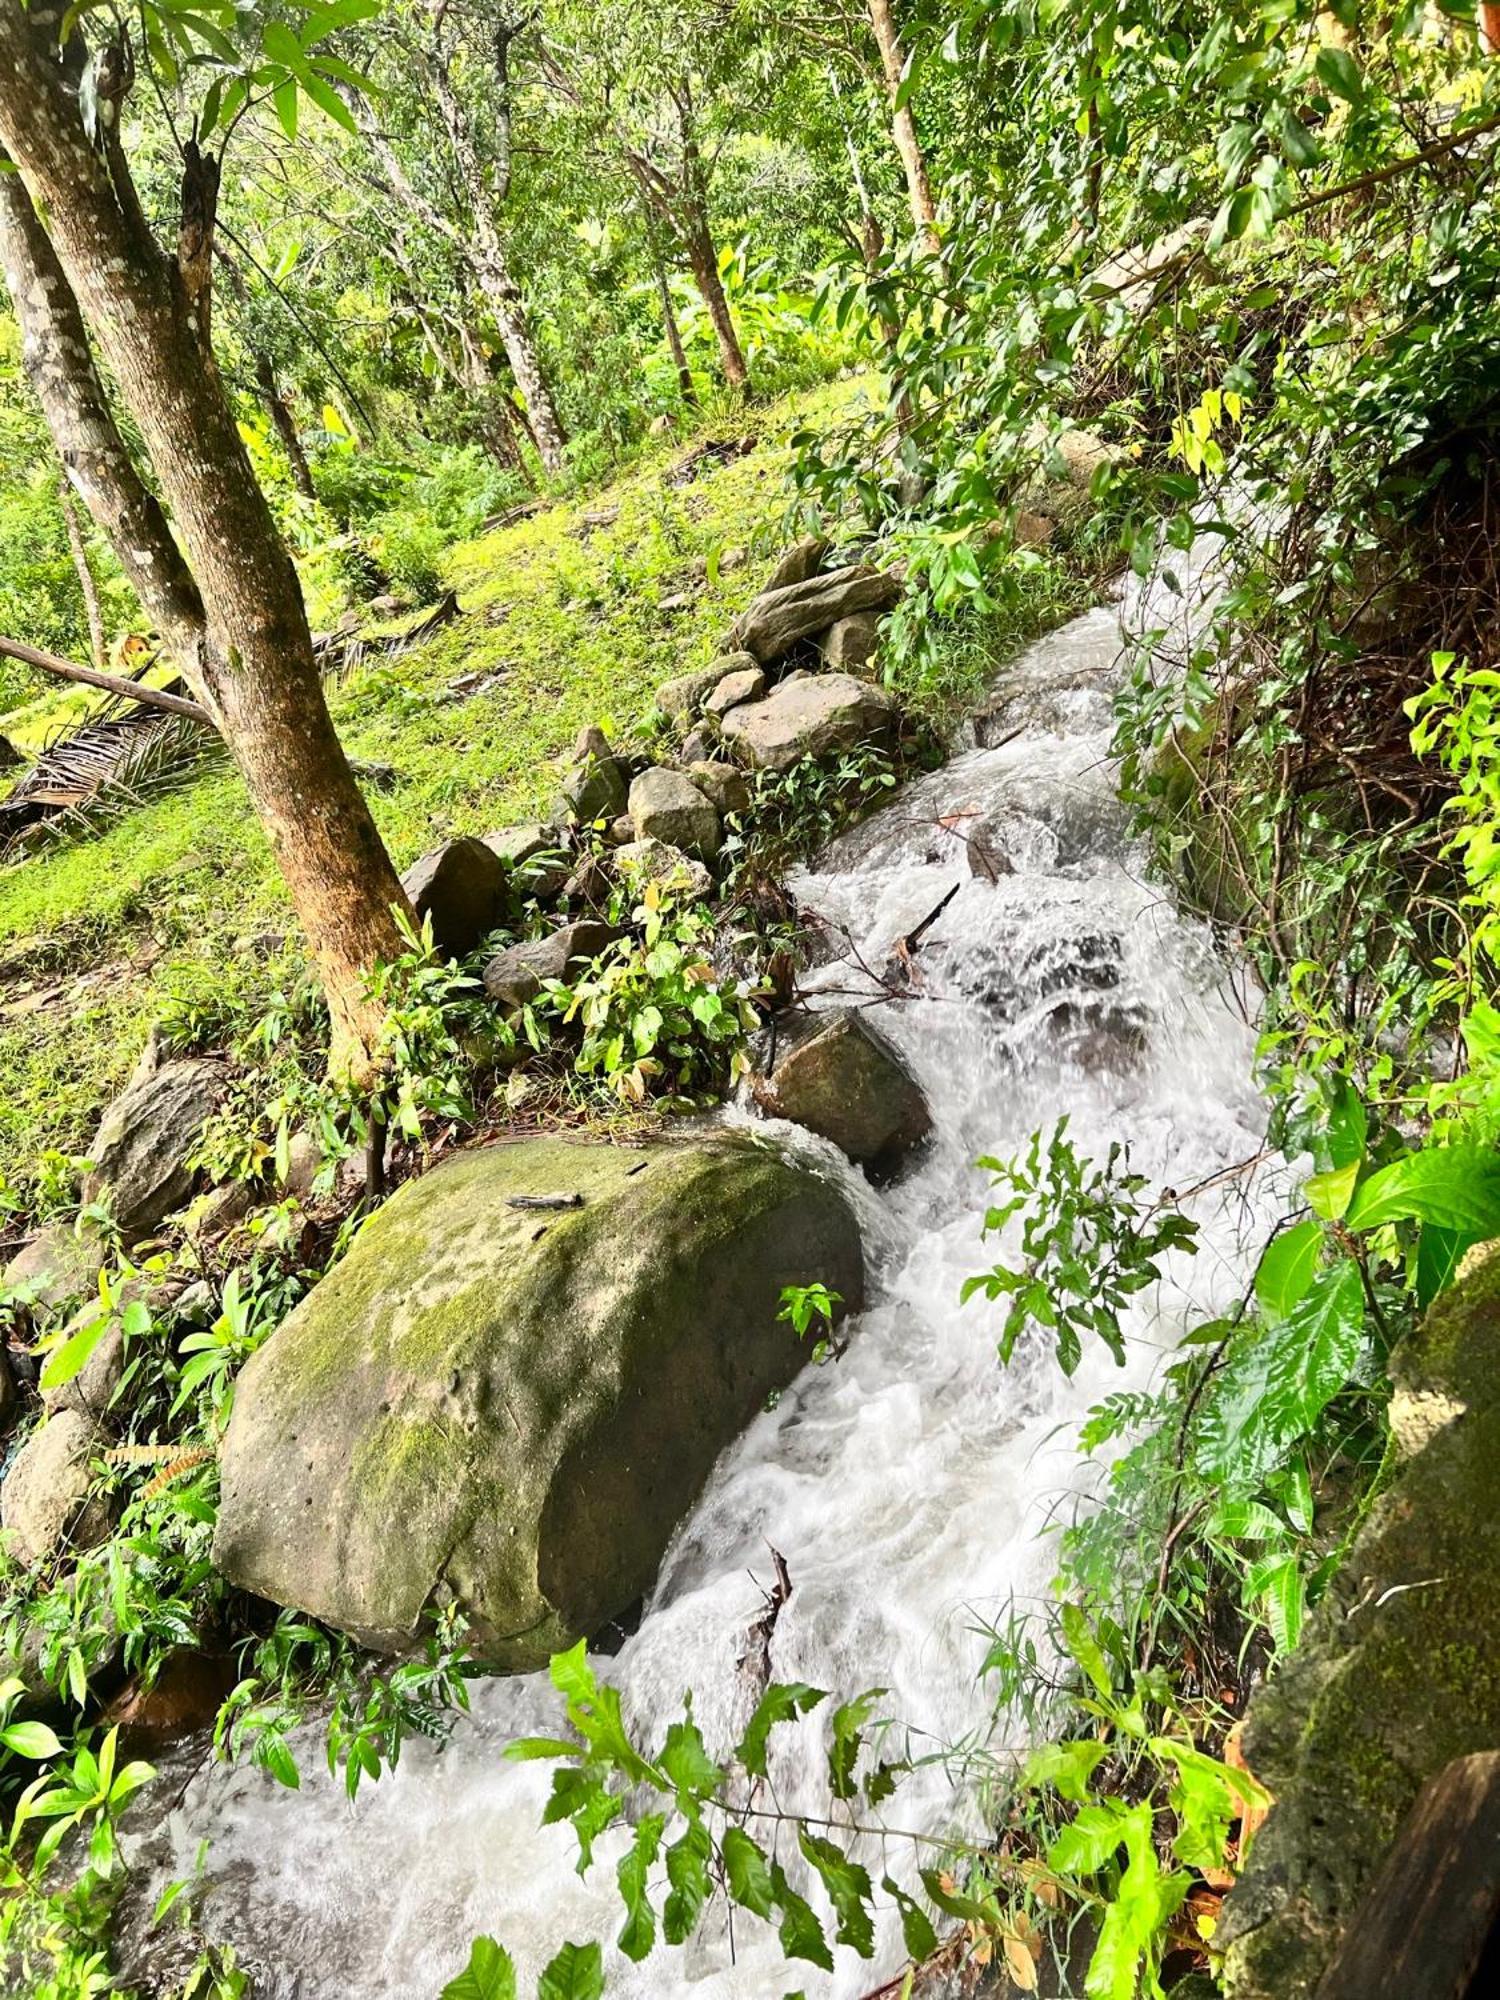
{"x": 842, "y": 1079}
{"x": 460, "y": 889}
{"x": 665, "y": 805}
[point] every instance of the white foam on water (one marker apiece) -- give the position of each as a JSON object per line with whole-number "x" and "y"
{"x": 909, "y": 1485}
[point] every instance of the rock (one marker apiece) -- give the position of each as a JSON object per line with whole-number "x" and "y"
{"x": 810, "y": 718}
{"x": 92, "y": 1389}
{"x": 681, "y": 698}
{"x": 778, "y": 619}
{"x": 724, "y": 784}
{"x": 593, "y": 785}
{"x": 535, "y": 857}
{"x": 801, "y": 561}
{"x": 518, "y": 973}
{"x": 1033, "y": 531}
{"x": 187, "y": 1693}
{"x": 666, "y": 806}
{"x": 749, "y": 684}
{"x": 511, "y": 1409}
{"x": 304, "y": 1162}
{"x": 657, "y": 861}
{"x": 620, "y": 831}
{"x": 849, "y": 644}
{"x": 148, "y": 1136}
{"x": 10, "y": 1396}
{"x": 699, "y": 745}
{"x": 1394, "y": 1676}
{"x": 460, "y": 888}
{"x": 58, "y": 1267}
{"x": 46, "y": 1501}
{"x": 218, "y": 1210}
{"x": 589, "y": 881}
{"x": 842, "y": 1079}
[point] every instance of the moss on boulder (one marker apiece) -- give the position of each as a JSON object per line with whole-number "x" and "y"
{"x": 512, "y": 1407}
{"x": 1399, "y": 1671}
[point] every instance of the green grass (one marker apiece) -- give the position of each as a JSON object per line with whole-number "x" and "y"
{"x": 178, "y": 892}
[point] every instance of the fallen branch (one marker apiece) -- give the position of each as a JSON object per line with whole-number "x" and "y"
{"x": 69, "y": 670}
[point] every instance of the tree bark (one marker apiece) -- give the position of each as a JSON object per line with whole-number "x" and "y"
{"x": 275, "y": 400}
{"x": 673, "y": 332}
{"x": 124, "y": 690}
{"x": 88, "y": 589}
{"x": 903, "y": 126}
{"x": 703, "y": 261}
{"x": 254, "y": 670}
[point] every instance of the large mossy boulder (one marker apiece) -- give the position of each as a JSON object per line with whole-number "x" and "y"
{"x": 1398, "y": 1672}
{"x": 511, "y": 1405}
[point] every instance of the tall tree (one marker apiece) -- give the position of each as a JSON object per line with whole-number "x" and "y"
{"x": 148, "y": 305}
{"x": 903, "y": 125}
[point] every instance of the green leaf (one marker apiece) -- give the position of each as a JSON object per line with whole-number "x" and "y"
{"x": 31, "y": 1739}
{"x": 284, "y": 96}
{"x": 780, "y": 1703}
{"x": 1329, "y": 1194}
{"x": 1298, "y": 144}
{"x": 916, "y": 1926}
{"x": 1081, "y": 1642}
{"x": 633, "y": 1875}
{"x": 1066, "y": 1766}
{"x": 848, "y": 1735}
{"x": 968, "y": 1909}
{"x": 1338, "y": 72}
{"x": 799, "y": 1930}
{"x": 687, "y": 1872}
{"x": 1286, "y": 1268}
{"x": 1089, "y": 1841}
{"x": 73, "y": 1356}
{"x": 1455, "y": 1187}
{"x": 748, "y": 1876}
{"x": 576, "y": 1973}
{"x": 1315, "y": 1353}
{"x": 687, "y": 1763}
{"x": 849, "y": 1891}
{"x": 489, "y": 1974}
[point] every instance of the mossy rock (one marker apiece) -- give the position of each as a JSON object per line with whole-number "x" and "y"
{"x": 1399, "y": 1671}
{"x": 512, "y": 1408}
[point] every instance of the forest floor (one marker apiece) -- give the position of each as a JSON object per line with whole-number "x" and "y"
{"x": 573, "y": 615}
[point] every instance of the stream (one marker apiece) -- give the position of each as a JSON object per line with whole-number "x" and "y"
{"x": 909, "y": 1485}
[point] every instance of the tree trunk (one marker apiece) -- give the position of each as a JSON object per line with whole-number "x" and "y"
{"x": 903, "y": 126}
{"x": 673, "y": 332}
{"x": 498, "y": 420}
{"x": 86, "y": 584}
{"x": 255, "y": 671}
{"x": 275, "y": 400}
{"x": 703, "y": 261}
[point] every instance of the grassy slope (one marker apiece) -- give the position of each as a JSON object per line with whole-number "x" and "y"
{"x": 170, "y": 897}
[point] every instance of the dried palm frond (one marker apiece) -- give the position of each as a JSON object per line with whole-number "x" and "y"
{"x": 121, "y": 760}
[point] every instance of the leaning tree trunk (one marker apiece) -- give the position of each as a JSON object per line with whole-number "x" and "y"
{"x": 673, "y": 333}
{"x": 903, "y": 126}
{"x": 703, "y": 262}
{"x": 279, "y": 410}
{"x": 88, "y": 588}
{"x": 255, "y": 671}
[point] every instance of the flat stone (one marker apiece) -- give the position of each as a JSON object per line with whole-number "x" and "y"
{"x": 682, "y": 697}
{"x": 517, "y": 974}
{"x": 47, "y": 1501}
{"x": 749, "y": 684}
{"x": 812, "y": 717}
{"x": 511, "y": 1410}
{"x": 147, "y": 1138}
{"x": 657, "y": 861}
{"x": 593, "y": 785}
{"x": 802, "y": 560}
{"x": 666, "y": 805}
{"x": 534, "y": 855}
{"x": 779, "y": 619}
{"x": 460, "y": 889}
{"x": 849, "y": 644}
{"x": 725, "y": 784}
{"x": 841, "y": 1078}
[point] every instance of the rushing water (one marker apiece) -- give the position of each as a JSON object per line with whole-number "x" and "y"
{"x": 909, "y": 1484}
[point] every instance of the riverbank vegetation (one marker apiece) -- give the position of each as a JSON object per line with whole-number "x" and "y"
{"x": 584, "y": 315}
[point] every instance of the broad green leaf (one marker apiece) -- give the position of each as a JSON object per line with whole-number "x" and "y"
{"x": 780, "y": 1702}
{"x": 1329, "y": 1194}
{"x": 1312, "y": 1355}
{"x": 687, "y": 1763}
{"x": 1081, "y": 1642}
{"x": 1286, "y": 1268}
{"x": 31, "y": 1739}
{"x": 1066, "y": 1766}
{"x": 748, "y": 1875}
{"x": 848, "y": 1734}
{"x": 848, "y": 1887}
{"x": 1439, "y": 1254}
{"x": 799, "y": 1930}
{"x": 1455, "y": 1187}
{"x": 1089, "y": 1841}
{"x": 687, "y": 1873}
{"x": 74, "y": 1354}
{"x": 634, "y": 1874}
{"x": 1339, "y": 72}
{"x": 489, "y": 1974}
{"x": 576, "y": 1973}
{"x": 916, "y": 1926}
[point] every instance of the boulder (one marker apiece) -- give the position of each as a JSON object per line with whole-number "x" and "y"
{"x": 47, "y": 1501}
{"x": 849, "y": 644}
{"x": 667, "y": 806}
{"x": 841, "y": 1078}
{"x": 700, "y": 743}
{"x": 460, "y": 889}
{"x": 589, "y": 882}
{"x": 57, "y": 1268}
{"x": 810, "y": 717}
{"x": 593, "y": 785}
{"x": 802, "y": 560}
{"x": 725, "y": 784}
{"x": 534, "y": 857}
{"x": 142, "y": 1149}
{"x": 10, "y": 1396}
{"x": 748, "y": 684}
{"x": 620, "y": 830}
{"x": 518, "y": 973}
{"x": 657, "y": 861}
{"x": 778, "y": 619}
{"x": 681, "y": 698}
{"x": 512, "y": 1408}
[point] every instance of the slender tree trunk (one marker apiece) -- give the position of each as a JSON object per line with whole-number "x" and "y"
{"x": 703, "y": 261}
{"x": 503, "y": 297}
{"x": 673, "y": 332}
{"x": 86, "y": 584}
{"x": 275, "y": 400}
{"x": 255, "y": 672}
{"x": 903, "y": 126}
{"x": 497, "y": 420}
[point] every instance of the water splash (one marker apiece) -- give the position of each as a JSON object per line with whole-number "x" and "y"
{"x": 909, "y": 1486}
